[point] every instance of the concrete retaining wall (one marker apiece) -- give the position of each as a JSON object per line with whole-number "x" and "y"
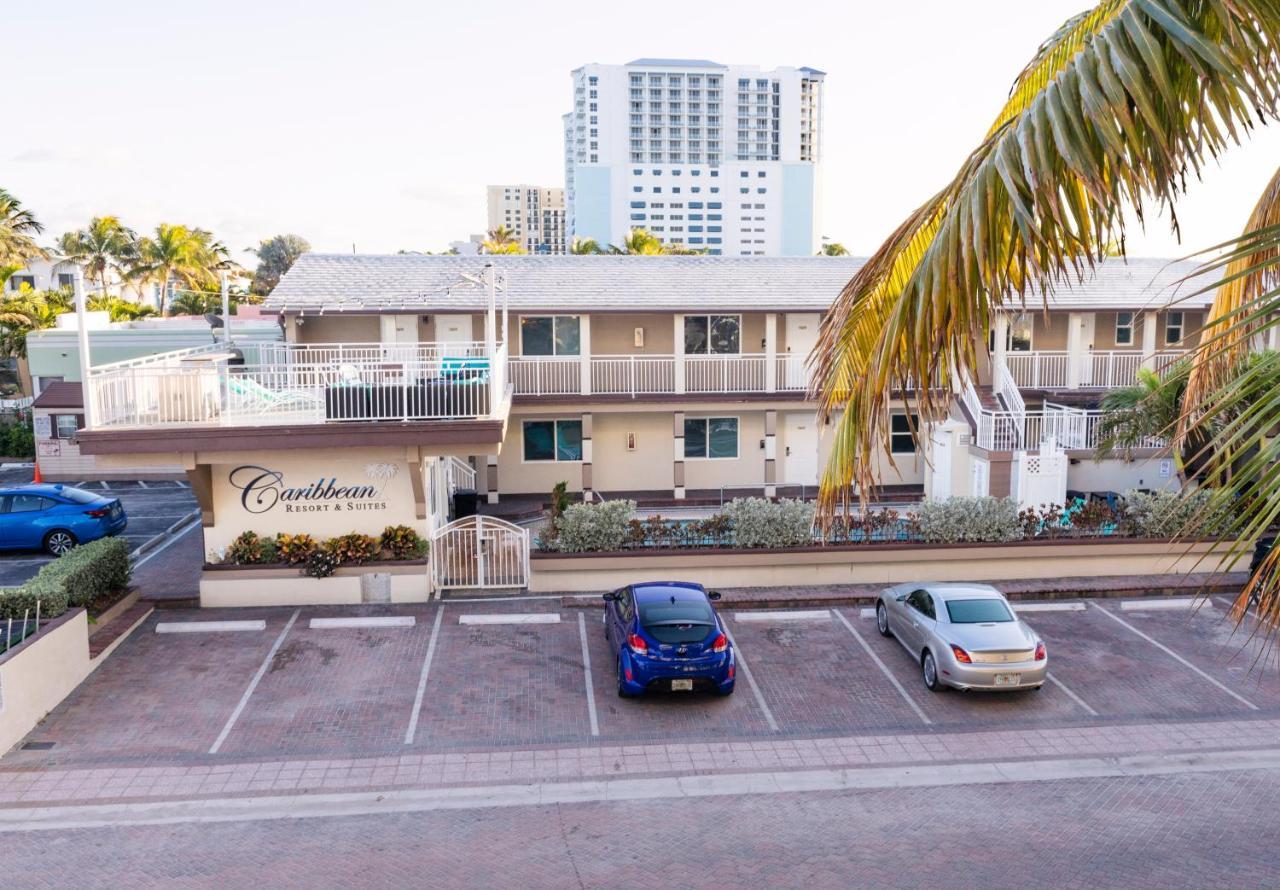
{"x": 868, "y": 564}
{"x": 38, "y": 674}
{"x": 287, "y": 586}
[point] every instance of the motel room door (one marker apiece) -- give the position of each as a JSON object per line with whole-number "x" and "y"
{"x": 454, "y": 334}
{"x": 800, "y": 449}
{"x": 802, "y": 334}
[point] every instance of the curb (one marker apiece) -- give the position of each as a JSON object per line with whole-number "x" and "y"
{"x": 155, "y": 541}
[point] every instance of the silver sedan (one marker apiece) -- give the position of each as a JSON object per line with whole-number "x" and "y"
{"x": 963, "y": 635}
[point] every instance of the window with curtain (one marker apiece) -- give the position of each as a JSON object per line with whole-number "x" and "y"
{"x": 1124, "y": 328}
{"x": 1173, "y": 328}
{"x": 711, "y": 437}
{"x": 712, "y": 334}
{"x": 550, "y": 335}
{"x": 552, "y": 440}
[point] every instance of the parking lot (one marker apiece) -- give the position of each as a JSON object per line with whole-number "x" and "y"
{"x": 151, "y": 507}
{"x": 194, "y": 686}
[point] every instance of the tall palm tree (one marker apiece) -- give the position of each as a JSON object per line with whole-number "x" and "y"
{"x": 585, "y": 247}
{"x": 18, "y": 228}
{"x": 28, "y": 311}
{"x": 501, "y": 240}
{"x": 1114, "y": 112}
{"x": 640, "y": 242}
{"x": 833, "y": 248}
{"x": 102, "y": 247}
{"x": 180, "y": 255}
{"x": 120, "y": 309}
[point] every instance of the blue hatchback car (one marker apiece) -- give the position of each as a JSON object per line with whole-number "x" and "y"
{"x": 56, "y": 518}
{"x": 667, "y": 636}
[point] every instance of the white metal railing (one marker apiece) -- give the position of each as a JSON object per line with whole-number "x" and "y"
{"x": 459, "y": 474}
{"x": 1007, "y": 390}
{"x": 634, "y": 375}
{"x": 1072, "y": 428}
{"x": 161, "y": 358}
{"x": 545, "y": 375}
{"x": 1038, "y": 370}
{"x": 181, "y": 392}
{"x": 1110, "y": 368}
{"x": 343, "y": 353}
{"x": 1097, "y": 369}
{"x": 480, "y": 551}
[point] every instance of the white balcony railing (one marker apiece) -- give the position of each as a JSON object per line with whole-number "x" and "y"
{"x": 636, "y": 375}
{"x": 1072, "y": 428}
{"x": 300, "y": 386}
{"x": 1096, "y": 369}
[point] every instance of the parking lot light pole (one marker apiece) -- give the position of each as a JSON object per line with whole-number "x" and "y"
{"x": 82, "y": 333}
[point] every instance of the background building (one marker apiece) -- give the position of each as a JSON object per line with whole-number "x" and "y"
{"x": 534, "y": 213}
{"x": 722, "y": 158}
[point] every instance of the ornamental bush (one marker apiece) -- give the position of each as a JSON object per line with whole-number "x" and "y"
{"x": 402, "y": 542}
{"x": 969, "y": 519}
{"x": 294, "y": 549}
{"x": 353, "y": 549}
{"x": 250, "y": 549}
{"x": 758, "y": 522}
{"x": 1170, "y": 514}
{"x": 18, "y": 601}
{"x": 587, "y": 527}
{"x": 85, "y": 573}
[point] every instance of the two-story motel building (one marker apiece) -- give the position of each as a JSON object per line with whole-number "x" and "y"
{"x": 665, "y": 379}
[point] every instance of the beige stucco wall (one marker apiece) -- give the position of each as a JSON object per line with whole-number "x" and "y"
{"x": 37, "y": 676}
{"x": 870, "y": 565}
{"x": 901, "y": 469}
{"x": 393, "y": 502}
{"x": 287, "y": 587}
{"x": 1049, "y": 331}
{"x": 515, "y": 476}
{"x": 1120, "y": 475}
{"x": 649, "y": 468}
{"x": 615, "y": 334}
{"x": 339, "y": 329}
{"x": 1104, "y": 334}
{"x": 746, "y": 469}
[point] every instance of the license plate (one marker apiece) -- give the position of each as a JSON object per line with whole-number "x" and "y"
{"x": 1008, "y": 679}
{"x": 681, "y": 685}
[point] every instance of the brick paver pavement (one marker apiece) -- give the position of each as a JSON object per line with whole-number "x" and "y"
{"x": 1136, "y": 833}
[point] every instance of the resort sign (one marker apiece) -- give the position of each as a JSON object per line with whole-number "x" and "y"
{"x": 263, "y": 489}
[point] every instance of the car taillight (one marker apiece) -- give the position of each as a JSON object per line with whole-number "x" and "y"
{"x": 98, "y": 513}
{"x": 637, "y": 644}
{"x": 1041, "y": 654}
{"x": 720, "y": 643}
{"x": 961, "y": 655}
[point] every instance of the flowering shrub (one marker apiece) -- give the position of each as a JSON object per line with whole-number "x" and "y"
{"x": 320, "y": 564}
{"x": 586, "y": 527}
{"x": 757, "y": 522}
{"x": 969, "y": 519}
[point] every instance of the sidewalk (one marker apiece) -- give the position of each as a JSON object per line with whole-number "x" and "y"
{"x": 20, "y": 788}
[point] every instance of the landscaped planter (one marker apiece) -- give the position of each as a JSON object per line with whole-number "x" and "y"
{"x": 406, "y": 581}
{"x": 887, "y": 563}
{"x": 40, "y": 672}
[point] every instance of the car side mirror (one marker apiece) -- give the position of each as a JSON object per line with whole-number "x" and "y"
{"x": 713, "y": 595}
{"x": 609, "y": 597}
{"x": 902, "y": 599}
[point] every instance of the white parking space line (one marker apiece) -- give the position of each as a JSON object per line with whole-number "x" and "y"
{"x": 422, "y": 678}
{"x": 512, "y": 618}
{"x": 180, "y": 483}
{"x": 810, "y": 615}
{"x": 884, "y": 669}
{"x": 195, "y": 627}
{"x": 1167, "y": 603}
{"x": 1165, "y": 649}
{"x": 142, "y": 484}
{"x": 1048, "y": 607}
{"x": 367, "y": 621}
{"x": 1071, "y": 695}
{"x": 253, "y": 684}
{"x": 166, "y": 545}
{"x": 586, "y": 669}
{"x": 751, "y": 681}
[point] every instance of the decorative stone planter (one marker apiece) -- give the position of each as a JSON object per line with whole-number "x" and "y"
{"x": 408, "y": 581}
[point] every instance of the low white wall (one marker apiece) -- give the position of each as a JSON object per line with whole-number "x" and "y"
{"x": 869, "y": 564}
{"x": 289, "y": 587}
{"x": 36, "y": 676}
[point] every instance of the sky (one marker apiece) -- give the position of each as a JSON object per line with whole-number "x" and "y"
{"x": 376, "y": 125}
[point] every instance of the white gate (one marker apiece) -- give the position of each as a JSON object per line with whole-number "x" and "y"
{"x": 1040, "y": 477}
{"x": 480, "y": 551}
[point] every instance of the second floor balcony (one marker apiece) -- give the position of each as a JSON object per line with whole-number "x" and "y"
{"x": 289, "y": 385}
{"x": 1092, "y": 369}
{"x": 650, "y": 375}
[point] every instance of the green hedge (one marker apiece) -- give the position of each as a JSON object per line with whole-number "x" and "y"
{"x": 77, "y": 578}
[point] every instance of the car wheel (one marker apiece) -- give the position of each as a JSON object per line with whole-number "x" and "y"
{"x": 929, "y": 670}
{"x": 59, "y": 542}
{"x": 882, "y": 620}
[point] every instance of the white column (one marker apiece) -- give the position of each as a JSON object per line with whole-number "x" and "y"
{"x": 490, "y": 340}
{"x": 226, "y": 310}
{"x": 584, "y": 352}
{"x": 998, "y": 355}
{"x": 679, "y": 355}
{"x": 1149, "y": 339}
{"x": 1075, "y": 349}
{"x": 82, "y": 334}
{"x": 771, "y": 352}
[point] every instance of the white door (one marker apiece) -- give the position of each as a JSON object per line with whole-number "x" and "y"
{"x": 454, "y": 332}
{"x": 800, "y": 449}
{"x": 802, "y": 334}
{"x": 399, "y": 335}
{"x": 940, "y": 468}
{"x": 1087, "y": 331}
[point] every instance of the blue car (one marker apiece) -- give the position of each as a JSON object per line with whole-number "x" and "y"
{"x": 56, "y": 518}
{"x": 667, "y": 636}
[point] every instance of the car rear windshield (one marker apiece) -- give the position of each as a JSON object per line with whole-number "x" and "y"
{"x": 79, "y": 495}
{"x": 978, "y": 611}
{"x": 682, "y": 621}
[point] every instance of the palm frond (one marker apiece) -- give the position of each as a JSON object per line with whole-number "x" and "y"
{"x": 1116, "y": 110}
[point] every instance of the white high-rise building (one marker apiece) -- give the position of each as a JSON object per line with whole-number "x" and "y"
{"x": 721, "y": 158}
{"x": 535, "y": 214}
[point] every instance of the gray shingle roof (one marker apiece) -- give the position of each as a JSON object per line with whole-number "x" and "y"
{"x": 410, "y": 283}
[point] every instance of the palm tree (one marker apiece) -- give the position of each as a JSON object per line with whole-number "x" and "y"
{"x": 27, "y": 311}
{"x": 585, "y": 246}
{"x": 1148, "y": 409}
{"x": 104, "y": 246}
{"x": 833, "y": 248}
{"x": 120, "y": 309}
{"x": 18, "y": 228}
{"x": 189, "y": 302}
{"x": 640, "y": 242}
{"x": 1114, "y": 113}
{"x": 178, "y": 254}
{"x": 501, "y": 240}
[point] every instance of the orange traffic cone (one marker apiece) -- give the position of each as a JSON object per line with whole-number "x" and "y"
{"x": 38, "y": 478}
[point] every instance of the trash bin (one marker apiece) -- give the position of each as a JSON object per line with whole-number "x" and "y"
{"x": 465, "y": 503}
